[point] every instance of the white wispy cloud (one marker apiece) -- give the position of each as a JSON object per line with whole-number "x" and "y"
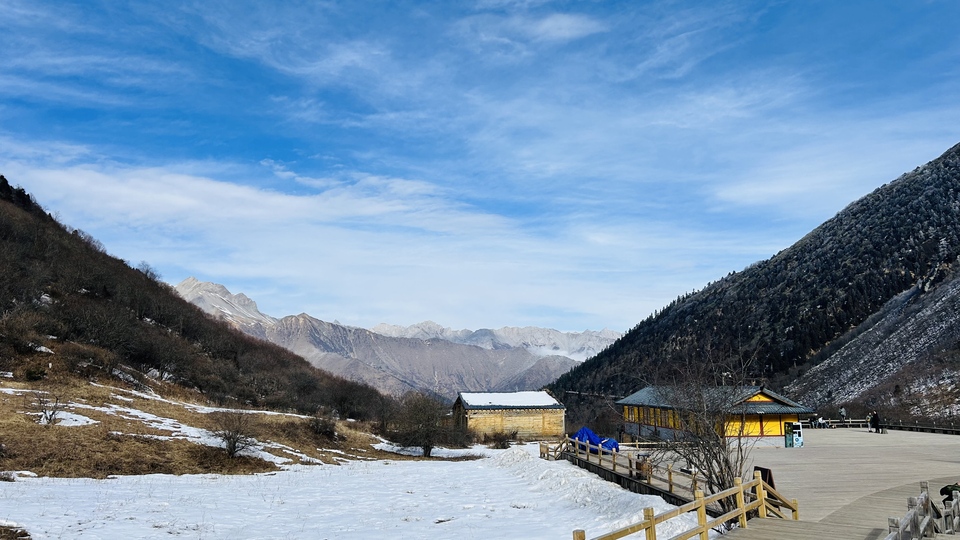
{"x": 507, "y": 162}
{"x": 396, "y": 247}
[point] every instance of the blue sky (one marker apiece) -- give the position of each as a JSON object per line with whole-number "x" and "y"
{"x": 574, "y": 165}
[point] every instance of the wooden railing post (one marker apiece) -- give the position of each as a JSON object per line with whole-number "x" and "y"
{"x": 651, "y": 533}
{"x": 613, "y": 455}
{"x": 579, "y": 534}
{"x": 796, "y": 509}
{"x": 761, "y": 494}
{"x": 740, "y": 502}
{"x": 915, "y": 516}
{"x": 701, "y": 515}
{"x": 670, "y": 476}
{"x": 930, "y": 529}
{"x": 893, "y": 527}
{"x": 955, "y": 511}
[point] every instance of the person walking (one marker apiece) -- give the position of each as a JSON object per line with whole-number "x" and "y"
{"x": 874, "y": 420}
{"x": 843, "y": 415}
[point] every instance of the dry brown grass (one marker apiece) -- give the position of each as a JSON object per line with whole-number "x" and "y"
{"x": 113, "y": 446}
{"x": 13, "y": 533}
{"x": 116, "y": 445}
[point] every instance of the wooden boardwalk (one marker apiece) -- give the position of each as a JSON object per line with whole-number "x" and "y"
{"x": 848, "y": 481}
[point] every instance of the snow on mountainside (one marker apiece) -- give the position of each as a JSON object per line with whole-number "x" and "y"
{"x": 911, "y": 343}
{"x": 861, "y": 311}
{"x": 216, "y": 300}
{"x": 391, "y": 364}
{"x": 539, "y": 341}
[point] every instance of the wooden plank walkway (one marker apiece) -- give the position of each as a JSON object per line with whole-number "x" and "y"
{"x": 849, "y": 482}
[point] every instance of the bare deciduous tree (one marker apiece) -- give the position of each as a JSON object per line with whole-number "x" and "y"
{"x": 706, "y": 392}
{"x": 420, "y": 422}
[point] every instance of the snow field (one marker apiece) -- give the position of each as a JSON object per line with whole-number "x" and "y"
{"x": 504, "y": 494}
{"x": 510, "y": 494}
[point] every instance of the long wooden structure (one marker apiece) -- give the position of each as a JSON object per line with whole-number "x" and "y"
{"x": 754, "y": 496}
{"x": 924, "y": 519}
{"x": 633, "y": 471}
{"x": 852, "y": 481}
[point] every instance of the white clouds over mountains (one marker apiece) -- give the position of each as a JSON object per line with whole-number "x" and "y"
{"x": 508, "y": 163}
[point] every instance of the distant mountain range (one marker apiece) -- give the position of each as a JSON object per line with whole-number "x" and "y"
{"x": 539, "y": 341}
{"x": 864, "y": 311}
{"x": 423, "y": 357}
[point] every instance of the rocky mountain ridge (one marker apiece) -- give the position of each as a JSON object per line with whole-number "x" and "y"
{"x": 860, "y": 311}
{"x": 396, "y": 363}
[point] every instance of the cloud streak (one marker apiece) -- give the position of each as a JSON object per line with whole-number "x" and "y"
{"x": 509, "y": 163}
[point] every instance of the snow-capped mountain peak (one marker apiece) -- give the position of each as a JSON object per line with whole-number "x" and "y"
{"x": 539, "y": 341}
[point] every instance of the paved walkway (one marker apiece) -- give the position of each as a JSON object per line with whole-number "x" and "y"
{"x": 851, "y": 481}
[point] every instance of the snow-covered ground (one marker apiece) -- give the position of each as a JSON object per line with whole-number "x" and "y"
{"x": 504, "y": 494}
{"x": 508, "y": 494}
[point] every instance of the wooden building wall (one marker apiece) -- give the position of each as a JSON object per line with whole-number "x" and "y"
{"x": 528, "y": 423}
{"x": 753, "y": 425}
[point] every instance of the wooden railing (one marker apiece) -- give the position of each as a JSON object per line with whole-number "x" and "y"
{"x": 950, "y": 428}
{"x": 863, "y": 423}
{"x": 632, "y": 462}
{"x": 924, "y": 519}
{"x": 552, "y": 451}
{"x": 951, "y": 514}
{"x": 754, "y": 496}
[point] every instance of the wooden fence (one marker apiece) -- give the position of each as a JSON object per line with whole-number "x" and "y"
{"x": 862, "y": 423}
{"x": 924, "y": 519}
{"x": 946, "y": 427}
{"x": 631, "y": 461}
{"x": 754, "y": 496}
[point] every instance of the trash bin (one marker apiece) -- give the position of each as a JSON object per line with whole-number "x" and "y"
{"x": 793, "y": 434}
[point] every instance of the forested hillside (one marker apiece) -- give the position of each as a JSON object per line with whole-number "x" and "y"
{"x": 794, "y": 310}
{"x": 65, "y": 301}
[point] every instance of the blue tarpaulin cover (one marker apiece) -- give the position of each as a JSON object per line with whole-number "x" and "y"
{"x": 585, "y": 435}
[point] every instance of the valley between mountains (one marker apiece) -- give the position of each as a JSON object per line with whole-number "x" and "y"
{"x": 425, "y": 357}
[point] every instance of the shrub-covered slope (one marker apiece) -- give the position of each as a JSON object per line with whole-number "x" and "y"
{"x": 798, "y": 308}
{"x": 60, "y": 291}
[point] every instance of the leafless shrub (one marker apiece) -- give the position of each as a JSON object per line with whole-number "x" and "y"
{"x": 324, "y": 425}
{"x": 499, "y": 440}
{"x": 235, "y": 429}
{"x": 47, "y": 407}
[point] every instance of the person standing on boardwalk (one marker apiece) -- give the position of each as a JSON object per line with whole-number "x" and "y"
{"x": 874, "y": 420}
{"x": 843, "y": 415}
